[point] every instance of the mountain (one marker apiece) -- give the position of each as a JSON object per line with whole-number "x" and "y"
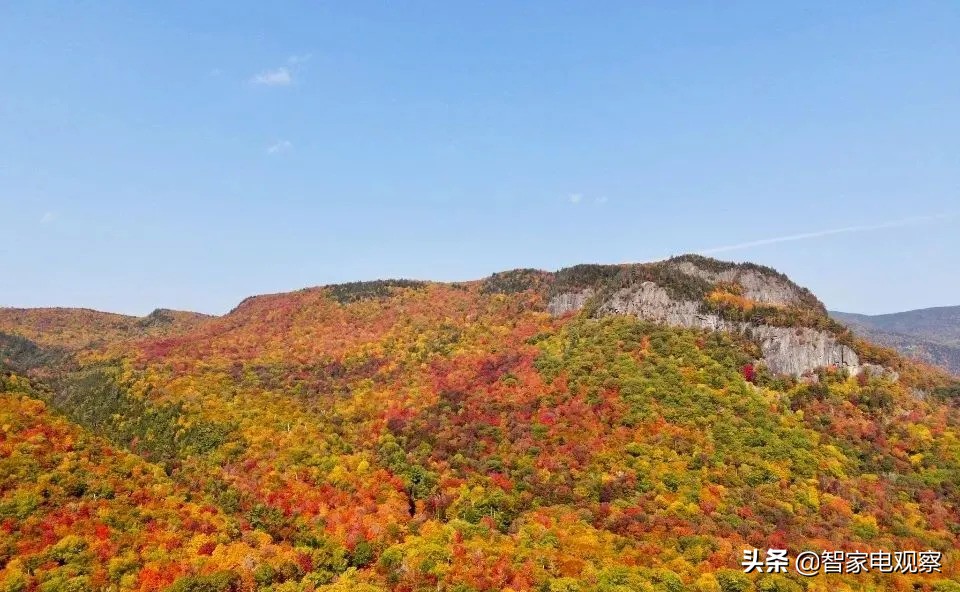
{"x": 939, "y": 324}
{"x": 78, "y": 328}
{"x": 602, "y": 428}
{"x": 928, "y": 334}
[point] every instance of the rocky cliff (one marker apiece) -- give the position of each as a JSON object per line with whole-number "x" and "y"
{"x": 761, "y": 299}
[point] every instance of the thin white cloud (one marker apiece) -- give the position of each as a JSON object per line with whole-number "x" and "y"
{"x": 280, "y": 146}
{"x": 278, "y": 77}
{"x": 916, "y": 220}
{"x": 579, "y": 198}
{"x": 48, "y": 217}
{"x": 296, "y": 60}
{"x": 283, "y": 75}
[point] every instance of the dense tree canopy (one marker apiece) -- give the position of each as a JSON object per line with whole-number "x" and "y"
{"x": 415, "y": 436}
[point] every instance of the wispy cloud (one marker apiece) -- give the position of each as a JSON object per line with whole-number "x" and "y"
{"x": 296, "y": 60}
{"x": 48, "y": 217}
{"x": 280, "y": 146}
{"x": 913, "y": 221}
{"x": 283, "y": 75}
{"x": 579, "y": 198}
{"x": 278, "y": 77}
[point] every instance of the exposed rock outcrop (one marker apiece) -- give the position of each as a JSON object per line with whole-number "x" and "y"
{"x": 785, "y": 350}
{"x": 788, "y": 350}
{"x": 567, "y": 302}
{"x": 651, "y": 302}
{"x": 757, "y": 286}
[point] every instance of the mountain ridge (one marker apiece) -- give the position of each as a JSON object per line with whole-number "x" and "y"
{"x": 471, "y": 437}
{"x": 686, "y": 291}
{"x": 928, "y": 334}
{"x": 65, "y": 327}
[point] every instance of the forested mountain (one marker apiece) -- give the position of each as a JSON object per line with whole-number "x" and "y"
{"x": 928, "y": 334}
{"x": 77, "y": 328}
{"x": 940, "y": 324}
{"x": 600, "y": 428}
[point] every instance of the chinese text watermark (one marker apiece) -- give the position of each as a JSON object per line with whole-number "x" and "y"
{"x": 812, "y": 563}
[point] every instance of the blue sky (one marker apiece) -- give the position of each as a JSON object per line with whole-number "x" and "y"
{"x": 187, "y": 155}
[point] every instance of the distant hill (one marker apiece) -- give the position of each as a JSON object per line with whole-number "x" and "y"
{"x": 78, "y": 328}
{"x": 928, "y": 334}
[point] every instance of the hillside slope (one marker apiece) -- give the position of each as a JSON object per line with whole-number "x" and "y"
{"x": 939, "y": 324}
{"x": 79, "y": 328}
{"x": 601, "y": 428}
{"x": 930, "y": 334}
{"x": 88, "y": 516}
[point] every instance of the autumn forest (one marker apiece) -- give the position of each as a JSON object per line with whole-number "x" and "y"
{"x": 460, "y": 437}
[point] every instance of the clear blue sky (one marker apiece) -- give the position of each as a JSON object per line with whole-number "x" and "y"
{"x": 188, "y": 154}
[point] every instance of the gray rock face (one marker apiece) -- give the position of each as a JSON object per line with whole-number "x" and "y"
{"x": 785, "y": 350}
{"x": 651, "y": 302}
{"x": 878, "y": 370}
{"x": 788, "y": 350}
{"x": 561, "y": 304}
{"x": 757, "y": 286}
